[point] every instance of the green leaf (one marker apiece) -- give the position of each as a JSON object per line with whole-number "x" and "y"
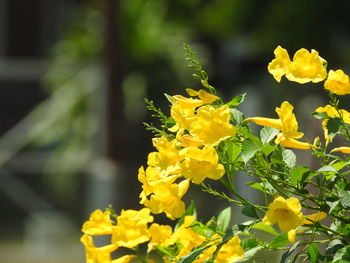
{"x": 193, "y": 255}
{"x": 165, "y": 251}
{"x": 280, "y": 241}
{"x": 249, "y": 211}
{"x": 263, "y": 227}
{"x": 267, "y": 149}
{"x": 344, "y": 198}
{"x": 333, "y": 126}
{"x": 224, "y": 219}
{"x": 288, "y": 157}
{"x": 342, "y": 255}
{"x": 297, "y": 174}
{"x": 236, "y": 100}
{"x": 249, "y": 254}
{"x": 256, "y": 186}
{"x": 267, "y": 134}
{"x": 327, "y": 169}
{"x": 313, "y": 253}
{"x": 233, "y": 150}
{"x": 237, "y": 115}
{"x": 289, "y": 252}
{"x": 249, "y": 148}
{"x": 320, "y": 115}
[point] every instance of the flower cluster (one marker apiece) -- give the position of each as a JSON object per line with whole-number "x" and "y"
{"x": 204, "y": 138}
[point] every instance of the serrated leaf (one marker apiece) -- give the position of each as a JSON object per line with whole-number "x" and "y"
{"x": 249, "y": 148}
{"x": 289, "y": 157}
{"x": 297, "y": 174}
{"x": 224, "y": 219}
{"x": 249, "y": 210}
{"x": 344, "y": 198}
{"x": 236, "y": 100}
{"x": 267, "y": 134}
{"x": 249, "y": 254}
{"x": 280, "y": 241}
{"x": 313, "y": 253}
{"x": 263, "y": 227}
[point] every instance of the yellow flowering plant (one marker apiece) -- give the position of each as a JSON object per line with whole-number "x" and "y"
{"x": 304, "y": 212}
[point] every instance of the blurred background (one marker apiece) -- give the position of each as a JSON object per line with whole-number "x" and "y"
{"x": 73, "y": 78}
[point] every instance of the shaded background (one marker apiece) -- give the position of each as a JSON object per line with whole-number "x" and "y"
{"x": 73, "y": 75}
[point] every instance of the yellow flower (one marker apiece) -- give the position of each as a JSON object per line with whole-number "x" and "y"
{"x": 288, "y": 126}
{"x": 153, "y": 178}
{"x": 131, "y": 229}
{"x": 99, "y": 223}
{"x": 160, "y": 235}
{"x": 337, "y": 82}
{"x": 166, "y": 197}
{"x": 305, "y": 67}
{"x": 279, "y": 66}
{"x": 167, "y": 156}
{"x": 286, "y": 213}
{"x": 212, "y": 125}
{"x": 230, "y": 251}
{"x": 188, "y": 238}
{"x": 333, "y": 113}
{"x": 197, "y": 164}
{"x": 183, "y": 111}
{"x": 97, "y": 254}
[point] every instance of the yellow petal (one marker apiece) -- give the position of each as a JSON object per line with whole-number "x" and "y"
{"x": 311, "y": 219}
{"x": 342, "y": 149}
{"x": 269, "y": 122}
{"x": 292, "y": 235}
{"x": 292, "y": 143}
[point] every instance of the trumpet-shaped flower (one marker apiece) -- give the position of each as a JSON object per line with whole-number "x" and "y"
{"x": 167, "y": 156}
{"x": 337, "y": 82}
{"x": 288, "y": 126}
{"x": 160, "y": 235}
{"x": 97, "y": 254}
{"x": 166, "y": 197}
{"x": 131, "y": 229}
{"x": 212, "y": 125}
{"x": 279, "y": 66}
{"x": 286, "y": 213}
{"x": 230, "y": 251}
{"x": 99, "y": 223}
{"x": 197, "y": 164}
{"x": 333, "y": 113}
{"x": 305, "y": 67}
{"x": 152, "y": 178}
